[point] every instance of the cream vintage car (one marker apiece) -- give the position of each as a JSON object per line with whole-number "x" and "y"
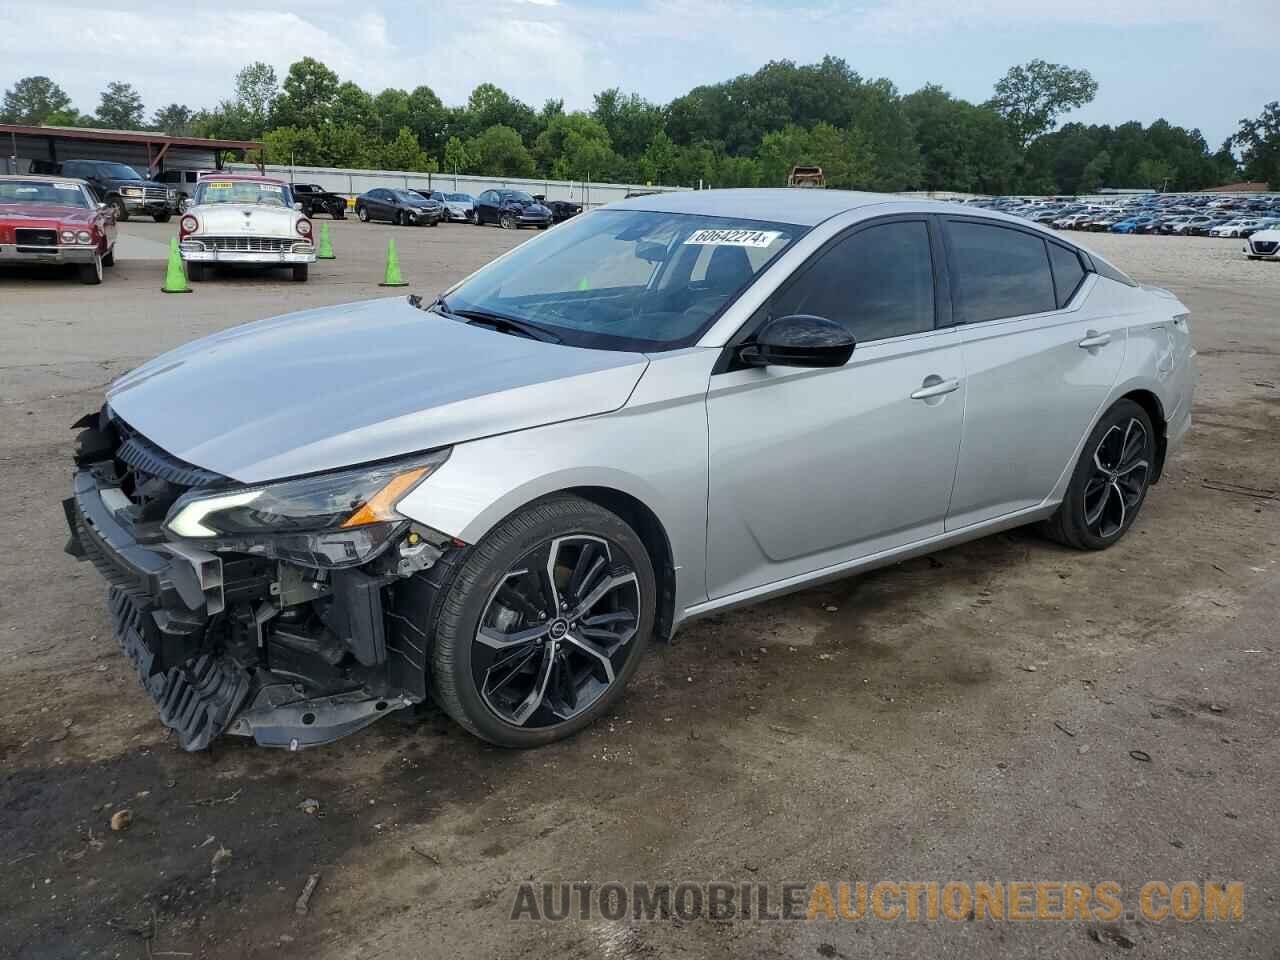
{"x": 244, "y": 220}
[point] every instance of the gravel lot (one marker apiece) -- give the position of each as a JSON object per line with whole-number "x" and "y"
{"x": 967, "y": 716}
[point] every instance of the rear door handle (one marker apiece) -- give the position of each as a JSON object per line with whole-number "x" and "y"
{"x": 935, "y": 386}
{"x": 1094, "y": 339}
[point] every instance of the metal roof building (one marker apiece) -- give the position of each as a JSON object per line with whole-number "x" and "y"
{"x": 149, "y": 153}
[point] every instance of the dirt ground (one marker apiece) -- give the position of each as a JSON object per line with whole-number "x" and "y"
{"x": 966, "y": 716}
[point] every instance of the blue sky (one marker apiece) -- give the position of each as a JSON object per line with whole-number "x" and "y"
{"x": 1198, "y": 63}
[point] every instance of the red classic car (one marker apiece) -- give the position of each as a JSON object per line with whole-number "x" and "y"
{"x": 53, "y": 220}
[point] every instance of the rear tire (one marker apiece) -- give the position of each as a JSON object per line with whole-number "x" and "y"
{"x": 1110, "y": 481}
{"x": 499, "y": 583}
{"x": 363, "y": 214}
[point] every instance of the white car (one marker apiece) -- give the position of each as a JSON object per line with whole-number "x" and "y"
{"x": 246, "y": 221}
{"x": 1263, "y": 245}
{"x": 1231, "y": 228}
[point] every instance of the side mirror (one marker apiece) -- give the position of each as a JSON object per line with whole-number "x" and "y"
{"x": 297, "y": 204}
{"x": 799, "y": 340}
{"x": 103, "y": 206}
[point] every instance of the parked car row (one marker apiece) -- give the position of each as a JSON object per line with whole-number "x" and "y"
{"x": 1154, "y": 213}
{"x": 509, "y": 209}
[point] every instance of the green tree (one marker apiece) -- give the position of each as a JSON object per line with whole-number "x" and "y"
{"x": 353, "y": 107}
{"x": 1032, "y": 97}
{"x": 404, "y": 153}
{"x": 1259, "y": 140}
{"x": 962, "y": 146}
{"x": 844, "y": 155}
{"x": 293, "y": 145}
{"x": 429, "y": 119}
{"x": 631, "y": 121}
{"x": 308, "y": 98}
{"x": 456, "y": 157}
{"x": 34, "y": 100}
{"x": 393, "y": 112}
{"x": 175, "y": 120}
{"x": 256, "y": 89}
{"x": 575, "y": 147}
{"x": 499, "y": 152}
{"x": 1095, "y": 173}
{"x": 120, "y": 107}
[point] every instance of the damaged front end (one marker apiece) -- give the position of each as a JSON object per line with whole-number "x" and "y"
{"x": 257, "y": 610}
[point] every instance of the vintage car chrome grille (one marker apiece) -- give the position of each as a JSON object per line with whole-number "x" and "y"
{"x": 249, "y": 244}
{"x": 35, "y": 238}
{"x": 1264, "y": 246}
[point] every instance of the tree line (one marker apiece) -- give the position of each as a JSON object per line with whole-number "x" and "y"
{"x": 746, "y": 131}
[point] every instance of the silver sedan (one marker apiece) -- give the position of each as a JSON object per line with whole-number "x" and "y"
{"x": 668, "y": 407}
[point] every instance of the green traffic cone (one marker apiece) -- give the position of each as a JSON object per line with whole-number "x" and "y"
{"x": 392, "y": 276}
{"x": 175, "y": 275}
{"x": 326, "y": 245}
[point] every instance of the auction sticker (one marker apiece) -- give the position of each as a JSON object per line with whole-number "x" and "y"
{"x": 734, "y": 238}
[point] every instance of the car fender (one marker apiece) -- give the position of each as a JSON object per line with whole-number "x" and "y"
{"x": 653, "y": 449}
{"x": 1151, "y": 364}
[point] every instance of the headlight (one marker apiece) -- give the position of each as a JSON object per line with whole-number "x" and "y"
{"x": 329, "y": 520}
{"x": 84, "y": 236}
{"x": 173, "y": 194}
{"x": 189, "y": 224}
{"x": 131, "y": 192}
{"x": 68, "y": 236}
{"x": 304, "y": 227}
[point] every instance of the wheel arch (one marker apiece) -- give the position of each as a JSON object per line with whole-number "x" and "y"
{"x": 637, "y": 515}
{"x": 1154, "y": 408}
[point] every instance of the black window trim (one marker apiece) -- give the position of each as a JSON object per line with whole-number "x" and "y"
{"x": 941, "y": 306}
{"x": 1085, "y": 262}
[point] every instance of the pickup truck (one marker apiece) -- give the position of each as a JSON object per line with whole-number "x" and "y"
{"x": 124, "y": 189}
{"x": 316, "y": 199}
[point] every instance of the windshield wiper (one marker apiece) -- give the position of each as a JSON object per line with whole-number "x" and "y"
{"x": 499, "y": 322}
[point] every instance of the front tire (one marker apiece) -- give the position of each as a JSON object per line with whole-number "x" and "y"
{"x": 91, "y": 272}
{"x": 543, "y": 624}
{"x": 195, "y": 271}
{"x": 507, "y": 222}
{"x": 109, "y": 258}
{"x": 121, "y": 211}
{"x": 363, "y": 214}
{"x": 300, "y": 272}
{"x": 1110, "y": 482}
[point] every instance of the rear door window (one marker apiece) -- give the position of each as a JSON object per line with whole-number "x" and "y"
{"x": 997, "y": 272}
{"x": 1068, "y": 273}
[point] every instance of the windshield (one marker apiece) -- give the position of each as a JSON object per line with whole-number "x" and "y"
{"x": 118, "y": 171}
{"x": 242, "y": 191}
{"x": 459, "y": 197}
{"x": 409, "y": 196}
{"x": 518, "y": 196}
{"x": 627, "y": 279}
{"x": 41, "y": 191}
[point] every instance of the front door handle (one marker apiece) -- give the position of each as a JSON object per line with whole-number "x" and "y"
{"x": 935, "y": 386}
{"x": 1094, "y": 339}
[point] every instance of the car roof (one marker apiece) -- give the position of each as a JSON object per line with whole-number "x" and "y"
{"x": 42, "y": 178}
{"x": 246, "y": 177}
{"x": 799, "y": 206}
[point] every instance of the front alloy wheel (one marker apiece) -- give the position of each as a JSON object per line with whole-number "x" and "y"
{"x": 553, "y": 635}
{"x": 542, "y": 623}
{"x": 507, "y": 221}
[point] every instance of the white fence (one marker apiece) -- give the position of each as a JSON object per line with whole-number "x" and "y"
{"x": 355, "y": 182}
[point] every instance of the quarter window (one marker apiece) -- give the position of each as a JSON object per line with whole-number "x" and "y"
{"x": 1067, "y": 273}
{"x": 878, "y": 282}
{"x": 998, "y": 272}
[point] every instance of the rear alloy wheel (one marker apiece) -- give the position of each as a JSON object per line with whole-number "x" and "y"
{"x": 1110, "y": 481}
{"x": 507, "y": 222}
{"x": 543, "y": 624}
{"x": 363, "y": 214}
{"x": 91, "y": 272}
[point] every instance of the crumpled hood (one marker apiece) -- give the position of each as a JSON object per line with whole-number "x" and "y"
{"x": 337, "y": 386}
{"x": 255, "y": 219}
